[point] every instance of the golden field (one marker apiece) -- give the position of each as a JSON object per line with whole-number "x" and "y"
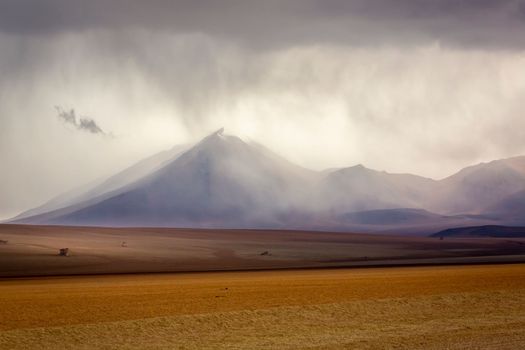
{"x": 455, "y": 307}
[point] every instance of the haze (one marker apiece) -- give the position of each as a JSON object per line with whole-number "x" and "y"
{"x": 425, "y": 87}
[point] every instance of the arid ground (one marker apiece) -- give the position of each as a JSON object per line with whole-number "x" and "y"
{"x": 161, "y": 302}
{"x": 33, "y": 250}
{"x": 447, "y": 307}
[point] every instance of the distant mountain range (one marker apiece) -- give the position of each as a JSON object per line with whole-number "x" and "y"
{"x": 224, "y": 182}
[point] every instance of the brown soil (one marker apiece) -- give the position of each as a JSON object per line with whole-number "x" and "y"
{"x": 34, "y": 250}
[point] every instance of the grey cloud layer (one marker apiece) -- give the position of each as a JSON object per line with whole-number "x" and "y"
{"x": 273, "y": 23}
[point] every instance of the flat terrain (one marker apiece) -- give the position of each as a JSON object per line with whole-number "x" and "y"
{"x": 452, "y": 307}
{"x": 33, "y": 250}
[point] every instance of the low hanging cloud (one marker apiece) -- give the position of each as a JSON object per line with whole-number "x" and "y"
{"x": 83, "y": 123}
{"x": 419, "y": 86}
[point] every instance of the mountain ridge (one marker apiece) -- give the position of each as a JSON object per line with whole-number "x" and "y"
{"x": 223, "y": 181}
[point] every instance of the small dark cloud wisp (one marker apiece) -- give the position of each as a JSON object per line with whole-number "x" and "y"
{"x": 83, "y": 123}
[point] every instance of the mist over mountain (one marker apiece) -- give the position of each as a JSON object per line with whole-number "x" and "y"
{"x": 478, "y": 187}
{"x": 225, "y": 182}
{"x": 358, "y": 188}
{"x": 511, "y": 209}
{"x": 104, "y": 186}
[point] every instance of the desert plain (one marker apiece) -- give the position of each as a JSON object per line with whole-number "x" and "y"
{"x": 154, "y": 288}
{"x": 33, "y": 250}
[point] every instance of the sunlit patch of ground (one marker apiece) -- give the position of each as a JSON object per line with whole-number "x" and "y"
{"x": 462, "y": 307}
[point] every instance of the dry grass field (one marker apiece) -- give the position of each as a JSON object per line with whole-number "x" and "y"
{"x": 454, "y": 307}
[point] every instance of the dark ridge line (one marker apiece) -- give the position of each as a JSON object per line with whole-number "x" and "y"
{"x": 264, "y": 269}
{"x": 237, "y": 229}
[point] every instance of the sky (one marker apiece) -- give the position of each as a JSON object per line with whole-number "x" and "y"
{"x": 413, "y": 86}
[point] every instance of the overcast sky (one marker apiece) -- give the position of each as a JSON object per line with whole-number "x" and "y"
{"x": 421, "y": 86}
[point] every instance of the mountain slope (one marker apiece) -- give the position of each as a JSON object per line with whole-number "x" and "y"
{"x": 475, "y": 188}
{"x": 105, "y": 186}
{"x": 358, "y": 189}
{"x": 510, "y": 209}
{"x": 221, "y": 181}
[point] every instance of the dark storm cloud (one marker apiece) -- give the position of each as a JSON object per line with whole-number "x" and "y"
{"x": 272, "y": 23}
{"x": 83, "y": 123}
